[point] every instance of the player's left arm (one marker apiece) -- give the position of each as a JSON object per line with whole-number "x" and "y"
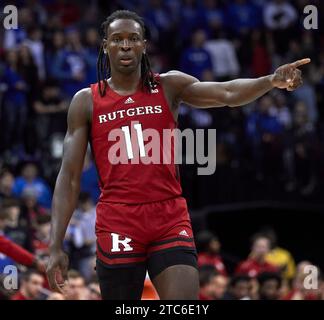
{"x": 236, "y": 92}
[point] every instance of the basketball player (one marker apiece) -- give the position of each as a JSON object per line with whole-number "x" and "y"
{"x": 142, "y": 221}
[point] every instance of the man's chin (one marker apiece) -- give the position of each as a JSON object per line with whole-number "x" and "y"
{"x": 127, "y": 69}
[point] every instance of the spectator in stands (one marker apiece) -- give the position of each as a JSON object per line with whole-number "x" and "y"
{"x": 196, "y": 60}
{"x": 94, "y": 291}
{"x": 69, "y": 66}
{"x": 16, "y": 226}
{"x": 278, "y": 256}
{"x": 81, "y": 235}
{"x": 15, "y": 103}
{"x": 41, "y": 238}
{"x": 264, "y": 132}
{"x": 30, "y": 209}
{"x": 307, "y": 96}
{"x": 212, "y": 284}
{"x": 269, "y": 286}
{"x": 280, "y": 17}
{"x": 256, "y": 262}
{"x": 92, "y": 42}
{"x": 305, "y": 150}
{"x": 239, "y": 288}
{"x": 6, "y": 184}
{"x": 31, "y": 286}
{"x": 36, "y": 46}
{"x": 281, "y": 110}
{"x": 208, "y": 247}
{"x": 50, "y": 108}
{"x": 29, "y": 72}
{"x": 76, "y": 288}
{"x": 30, "y": 178}
{"x": 260, "y": 55}
{"x": 55, "y": 46}
{"x": 223, "y": 55}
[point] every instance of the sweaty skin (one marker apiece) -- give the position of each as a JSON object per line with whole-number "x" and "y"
{"x": 125, "y": 46}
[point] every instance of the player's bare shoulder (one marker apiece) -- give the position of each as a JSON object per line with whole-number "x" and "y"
{"x": 174, "y": 82}
{"x": 80, "y": 109}
{"x": 177, "y": 79}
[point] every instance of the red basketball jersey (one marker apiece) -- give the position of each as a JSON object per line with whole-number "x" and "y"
{"x": 131, "y": 128}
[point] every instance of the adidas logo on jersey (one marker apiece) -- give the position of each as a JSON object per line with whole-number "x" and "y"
{"x": 183, "y": 233}
{"x": 129, "y": 100}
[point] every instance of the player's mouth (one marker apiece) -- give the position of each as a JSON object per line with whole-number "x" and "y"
{"x": 126, "y": 61}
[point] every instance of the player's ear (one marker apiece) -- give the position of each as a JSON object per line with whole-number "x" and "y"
{"x": 104, "y": 45}
{"x": 144, "y": 45}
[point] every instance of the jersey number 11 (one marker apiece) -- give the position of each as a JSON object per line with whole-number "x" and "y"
{"x": 140, "y": 139}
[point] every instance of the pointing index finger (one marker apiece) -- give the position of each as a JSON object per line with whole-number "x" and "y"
{"x": 301, "y": 62}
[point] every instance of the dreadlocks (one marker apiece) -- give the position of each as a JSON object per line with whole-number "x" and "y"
{"x": 103, "y": 66}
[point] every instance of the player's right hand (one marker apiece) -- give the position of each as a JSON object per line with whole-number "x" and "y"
{"x": 57, "y": 270}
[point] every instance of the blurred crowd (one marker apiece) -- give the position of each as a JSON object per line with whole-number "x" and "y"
{"x": 270, "y": 149}
{"x": 269, "y": 272}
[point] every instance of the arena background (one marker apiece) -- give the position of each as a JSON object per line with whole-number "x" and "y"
{"x": 270, "y": 159}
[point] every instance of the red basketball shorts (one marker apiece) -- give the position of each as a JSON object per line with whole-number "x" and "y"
{"x": 128, "y": 234}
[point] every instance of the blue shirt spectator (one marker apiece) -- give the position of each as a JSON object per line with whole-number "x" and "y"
{"x": 70, "y": 65}
{"x": 70, "y": 68}
{"x": 14, "y": 84}
{"x": 262, "y": 121}
{"x": 29, "y": 180}
{"x": 196, "y": 60}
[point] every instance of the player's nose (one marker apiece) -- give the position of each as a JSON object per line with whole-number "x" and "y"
{"x": 125, "y": 45}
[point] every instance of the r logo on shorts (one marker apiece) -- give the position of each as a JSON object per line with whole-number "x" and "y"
{"x": 116, "y": 241}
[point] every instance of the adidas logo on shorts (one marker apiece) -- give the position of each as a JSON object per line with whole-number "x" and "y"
{"x": 129, "y": 100}
{"x": 183, "y": 233}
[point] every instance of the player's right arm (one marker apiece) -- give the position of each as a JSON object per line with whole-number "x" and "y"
{"x": 67, "y": 186}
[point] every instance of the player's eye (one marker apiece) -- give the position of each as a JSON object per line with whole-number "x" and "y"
{"x": 116, "y": 40}
{"x": 135, "y": 38}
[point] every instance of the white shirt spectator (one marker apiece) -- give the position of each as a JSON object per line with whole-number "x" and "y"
{"x": 83, "y": 230}
{"x": 224, "y": 59}
{"x": 37, "y": 50}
